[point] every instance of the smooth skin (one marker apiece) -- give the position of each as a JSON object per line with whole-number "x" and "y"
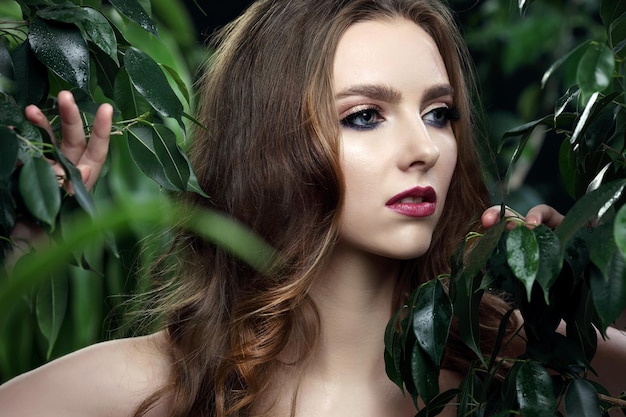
{"x": 353, "y": 292}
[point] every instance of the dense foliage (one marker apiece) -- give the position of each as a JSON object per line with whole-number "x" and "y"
{"x": 113, "y": 52}
{"x": 575, "y": 274}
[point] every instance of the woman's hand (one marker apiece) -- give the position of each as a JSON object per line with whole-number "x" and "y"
{"x": 88, "y": 156}
{"x": 539, "y": 214}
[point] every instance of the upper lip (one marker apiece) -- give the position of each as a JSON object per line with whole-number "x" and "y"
{"x": 426, "y": 194}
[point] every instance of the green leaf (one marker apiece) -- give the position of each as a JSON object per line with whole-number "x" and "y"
{"x": 31, "y": 76}
{"x": 481, "y": 252}
{"x": 149, "y": 80}
{"x": 8, "y": 151}
{"x": 591, "y": 205}
{"x": 141, "y": 143}
{"x": 611, "y": 10}
{"x": 425, "y": 374}
{"x": 131, "y": 104}
{"x": 584, "y": 120}
{"x": 522, "y": 256}
{"x": 595, "y": 69}
{"x": 550, "y": 258}
{"x": 534, "y": 390}
{"x": 171, "y": 156}
{"x": 133, "y": 10}
{"x": 40, "y": 190}
{"x": 619, "y": 229}
{"x": 95, "y": 26}
{"x": 81, "y": 194}
{"x": 50, "y": 309}
{"x": 581, "y": 399}
{"x": 466, "y": 312}
{"x": 62, "y": 49}
{"x": 571, "y": 55}
{"x": 608, "y": 288}
{"x": 182, "y": 87}
{"x": 431, "y": 319}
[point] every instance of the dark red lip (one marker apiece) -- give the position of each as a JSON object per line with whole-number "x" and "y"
{"x": 427, "y": 194}
{"x": 424, "y": 208}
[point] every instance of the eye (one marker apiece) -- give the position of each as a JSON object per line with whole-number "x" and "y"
{"x": 441, "y": 116}
{"x": 364, "y": 118}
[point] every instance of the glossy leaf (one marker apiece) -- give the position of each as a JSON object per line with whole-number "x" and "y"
{"x": 438, "y": 403}
{"x": 133, "y": 10}
{"x": 595, "y": 69}
{"x": 431, "y": 319}
{"x": 534, "y": 390}
{"x": 39, "y": 188}
{"x": 31, "y": 76}
{"x": 425, "y": 374}
{"x": 608, "y": 288}
{"x": 96, "y": 26}
{"x": 619, "y": 229}
{"x": 81, "y": 194}
{"x": 142, "y": 142}
{"x": 522, "y": 256}
{"x": 584, "y": 120}
{"x": 572, "y": 55}
{"x": 171, "y": 156}
{"x": 61, "y": 48}
{"x": 149, "y": 80}
{"x": 480, "y": 253}
{"x": 550, "y": 258}
{"x": 591, "y": 205}
{"x": 581, "y": 399}
{"x": 9, "y": 147}
{"x": 51, "y": 307}
{"x": 466, "y": 312}
{"x": 131, "y": 104}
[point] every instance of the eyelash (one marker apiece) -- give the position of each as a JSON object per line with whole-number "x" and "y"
{"x": 450, "y": 114}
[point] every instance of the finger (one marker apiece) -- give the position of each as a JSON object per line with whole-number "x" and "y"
{"x": 94, "y": 156}
{"x": 490, "y": 216}
{"x": 73, "y": 141}
{"x": 36, "y": 117}
{"x": 544, "y": 214}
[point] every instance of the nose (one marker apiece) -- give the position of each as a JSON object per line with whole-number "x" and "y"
{"x": 419, "y": 149}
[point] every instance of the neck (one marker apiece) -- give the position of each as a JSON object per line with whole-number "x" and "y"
{"x": 354, "y": 296}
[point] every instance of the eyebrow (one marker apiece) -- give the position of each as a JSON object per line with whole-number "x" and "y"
{"x": 391, "y": 95}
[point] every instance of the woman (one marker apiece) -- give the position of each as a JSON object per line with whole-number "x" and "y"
{"x": 340, "y": 131}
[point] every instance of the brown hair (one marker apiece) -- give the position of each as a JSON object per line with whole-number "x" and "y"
{"x": 270, "y": 159}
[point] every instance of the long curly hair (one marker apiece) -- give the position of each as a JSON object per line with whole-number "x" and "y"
{"x": 270, "y": 158}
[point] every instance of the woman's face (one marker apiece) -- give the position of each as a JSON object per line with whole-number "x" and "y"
{"x": 395, "y": 104}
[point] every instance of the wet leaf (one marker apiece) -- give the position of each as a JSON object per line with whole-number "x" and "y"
{"x": 466, "y": 312}
{"x": 51, "y": 307}
{"x": 9, "y": 147}
{"x": 40, "y": 191}
{"x": 534, "y": 390}
{"x": 171, "y": 157}
{"x": 133, "y": 10}
{"x": 131, "y": 104}
{"x": 142, "y": 150}
{"x": 591, "y": 205}
{"x": 581, "y": 399}
{"x": 31, "y": 76}
{"x": 425, "y": 374}
{"x": 431, "y": 319}
{"x": 608, "y": 288}
{"x": 149, "y": 80}
{"x": 619, "y": 229}
{"x": 572, "y": 55}
{"x": 95, "y": 26}
{"x": 550, "y": 258}
{"x": 522, "y": 256}
{"x": 62, "y": 49}
{"x": 595, "y": 69}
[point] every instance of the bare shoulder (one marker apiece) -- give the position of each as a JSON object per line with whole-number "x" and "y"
{"x": 106, "y": 379}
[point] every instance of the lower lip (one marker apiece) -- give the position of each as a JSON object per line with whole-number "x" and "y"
{"x": 414, "y": 209}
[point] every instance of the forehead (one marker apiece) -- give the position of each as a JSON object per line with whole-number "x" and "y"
{"x": 387, "y": 51}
